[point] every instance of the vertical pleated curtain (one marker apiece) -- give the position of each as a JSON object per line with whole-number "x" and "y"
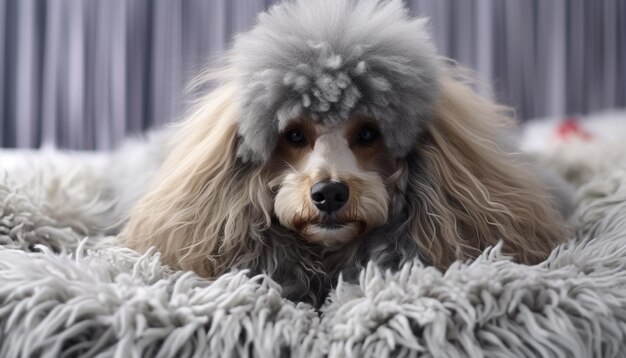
{"x": 84, "y": 74}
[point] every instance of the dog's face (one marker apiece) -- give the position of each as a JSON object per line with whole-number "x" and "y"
{"x": 331, "y": 180}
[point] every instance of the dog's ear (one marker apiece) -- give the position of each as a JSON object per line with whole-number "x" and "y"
{"x": 465, "y": 192}
{"x": 204, "y": 203}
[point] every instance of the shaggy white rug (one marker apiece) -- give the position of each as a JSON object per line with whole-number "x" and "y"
{"x": 67, "y": 290}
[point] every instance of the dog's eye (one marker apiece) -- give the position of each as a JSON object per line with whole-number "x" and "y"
{"x": 296, "y": 136}
{"x": 366, "y": 135}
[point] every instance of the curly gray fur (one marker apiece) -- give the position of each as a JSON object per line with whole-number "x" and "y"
{"x": 329, "y": 59}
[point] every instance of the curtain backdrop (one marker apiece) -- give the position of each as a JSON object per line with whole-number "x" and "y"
{"x": 83, "y": 74}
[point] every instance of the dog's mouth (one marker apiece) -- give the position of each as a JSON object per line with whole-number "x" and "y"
{"x": 332, "y": 233}
{"x": 327, "y": 222}
{"x": 330, "y": 225}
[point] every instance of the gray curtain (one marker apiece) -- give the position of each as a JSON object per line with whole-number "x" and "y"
{"x": 83, "y": 74}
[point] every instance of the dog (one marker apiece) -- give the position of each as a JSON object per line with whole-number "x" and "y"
{"x": 336, "y": 136}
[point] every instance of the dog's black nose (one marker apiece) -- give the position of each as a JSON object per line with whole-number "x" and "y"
{"x": 329, "y": 196}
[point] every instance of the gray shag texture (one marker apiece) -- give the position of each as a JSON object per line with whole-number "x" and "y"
{"x": 67, "y": 290}
{"x": 329, "y": 59}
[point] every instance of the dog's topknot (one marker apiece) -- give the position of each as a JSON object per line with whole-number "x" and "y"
{"x": 328, "y": 59}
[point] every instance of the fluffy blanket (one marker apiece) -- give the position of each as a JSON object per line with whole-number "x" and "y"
{"x": 67, "y": 290}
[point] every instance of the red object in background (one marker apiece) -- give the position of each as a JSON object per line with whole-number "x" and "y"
{"x": 571, "y": 128}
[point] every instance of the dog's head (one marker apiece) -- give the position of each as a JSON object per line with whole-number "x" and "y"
{"x": 332, "y": 95}
{"x": 332, "y": 118}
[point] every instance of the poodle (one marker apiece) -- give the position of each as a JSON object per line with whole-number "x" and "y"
{"x": 335, "y": 136}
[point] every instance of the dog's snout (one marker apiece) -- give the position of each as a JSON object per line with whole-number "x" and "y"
{"x": 329, "y": 196}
